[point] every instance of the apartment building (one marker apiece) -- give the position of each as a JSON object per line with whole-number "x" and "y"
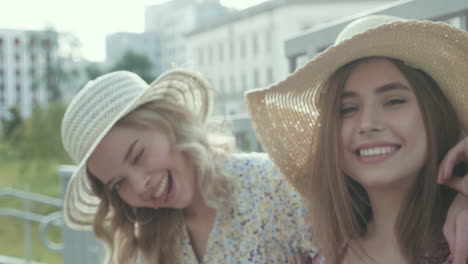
{"x": 246, "y": 50}
{"x": 26, "y": 69}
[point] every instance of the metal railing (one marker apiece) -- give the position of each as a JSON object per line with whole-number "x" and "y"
{"x": 80, "y": 246}
{"x": 54, "y": 218}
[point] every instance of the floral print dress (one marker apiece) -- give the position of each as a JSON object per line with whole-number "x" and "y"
{"x": 263, "y": 222}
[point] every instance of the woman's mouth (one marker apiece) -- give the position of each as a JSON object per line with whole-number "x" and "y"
{"x": 376, "y": 154}
{"x": 162, "y": 194}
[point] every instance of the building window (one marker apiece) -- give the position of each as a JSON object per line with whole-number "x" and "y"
{"x": 46, "y": 43}
{"x": 233, "y": 84}
{"x": 34, "y": 86}
{"x": 1, "y": 41}
{"x": 456, "y": 21}
{"x": 220, "y": 52}
{"x": 17, "y": 57}
{"x": 210, "y": 56}
{"x": 231, "y": 49}
{"x": 268, "y": 40}
{"x": 269, "y": 75}
{"x": 18, "y": 73}
{"x": 18, "y": 94}
{"x": 17, "y": 42}
{"x": 256, "y": 79}
{"x": 31, "y": 42}
{"x": 221, "y": 86}
{"x": 244, "y": 81}
{"x": 255, "y": 44}
{"x": 243, "y": 47}
{"x": 201, "y": 56}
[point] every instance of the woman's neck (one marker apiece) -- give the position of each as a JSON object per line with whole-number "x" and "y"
{"x": 387, "y": 202}
{"x": 198, "y": 209}
{"x": 381, "y": 242}
{"x": 386, "y": 206}
{"x": 199, "y": 220}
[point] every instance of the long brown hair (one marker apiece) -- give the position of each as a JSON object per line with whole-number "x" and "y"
{"x": 340, "y": 207}
{"x": 154, "y": 235}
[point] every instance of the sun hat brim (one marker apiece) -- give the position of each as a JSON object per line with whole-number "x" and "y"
{"x": 284, "y": 115}
{"x": 186, "y": 87}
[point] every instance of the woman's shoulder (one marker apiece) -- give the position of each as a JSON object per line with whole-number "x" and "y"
{"x": 245, "y": 164}
{"x": 257, "y": 176}
{"x": 249, "y": 157}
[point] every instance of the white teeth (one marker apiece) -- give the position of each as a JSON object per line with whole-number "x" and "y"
{"x": 161, "y": 187}
{"x": 376, "y": 151}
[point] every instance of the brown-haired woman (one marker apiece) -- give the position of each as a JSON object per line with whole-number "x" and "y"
{"x": 371, "y": 119}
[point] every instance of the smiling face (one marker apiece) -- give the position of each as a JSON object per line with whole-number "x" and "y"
{"x": 139, "y": 164}
{"x": 383, "y": 138}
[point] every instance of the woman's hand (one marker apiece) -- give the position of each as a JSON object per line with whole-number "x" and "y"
{"x": 456, "y": 224}
{"x": 456, "y": 229}
{"x": 455, "y": 163}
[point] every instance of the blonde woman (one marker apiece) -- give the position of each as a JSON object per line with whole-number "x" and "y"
{"x": 361, "y": 131}
{"x": 155, "y": 190}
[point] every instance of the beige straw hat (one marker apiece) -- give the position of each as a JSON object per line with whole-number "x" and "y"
{"x": 285, "y": 115}
{"x": 96, "y": 109}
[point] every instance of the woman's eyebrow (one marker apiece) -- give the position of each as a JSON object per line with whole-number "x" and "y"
{"x": 381, "y": 89}
{"x": 130, "y": 149}
{"x": 392, "y": 86}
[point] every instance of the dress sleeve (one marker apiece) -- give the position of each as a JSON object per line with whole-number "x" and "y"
{"x": 291, "y": 216}
{"x": 271, "y": 211}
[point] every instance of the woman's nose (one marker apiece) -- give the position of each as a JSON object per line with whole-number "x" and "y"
{"x": 370, "y": 120}
{"x": 139, "y": 181}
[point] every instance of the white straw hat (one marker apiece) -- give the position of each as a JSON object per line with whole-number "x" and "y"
{"x": 285, "y": 114}
{"x": 97, "y": 108}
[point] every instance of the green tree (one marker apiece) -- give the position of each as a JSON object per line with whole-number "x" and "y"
{"x": 10, "y": 123}
{"x": 93, "y": 71}
{"x": 137, "y": 63}
{"x": 59, "y": 48}
{"x": 31, "y": 149}
{"x": 41, "y": 138}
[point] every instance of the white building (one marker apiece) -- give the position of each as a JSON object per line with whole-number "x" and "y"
{"x": 147, "y": 44}
{"x": 172, "y": 20}
{"x": 305, "y": 46}
{"x": 26, "y": 72}
{"x": 246, "y": 49}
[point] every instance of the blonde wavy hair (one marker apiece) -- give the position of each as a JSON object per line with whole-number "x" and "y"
{"x": 339, "y": 206}
{"x": 132, "y": 235}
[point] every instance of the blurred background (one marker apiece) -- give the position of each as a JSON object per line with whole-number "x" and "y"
{"x": 50, "y": 48}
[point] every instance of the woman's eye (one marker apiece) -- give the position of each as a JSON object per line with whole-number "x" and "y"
{"x": 139, "y": 156}
{"x": 347, "y": 111}
{"x": 395, "y": 101}
{"x": 117, "y": 186}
